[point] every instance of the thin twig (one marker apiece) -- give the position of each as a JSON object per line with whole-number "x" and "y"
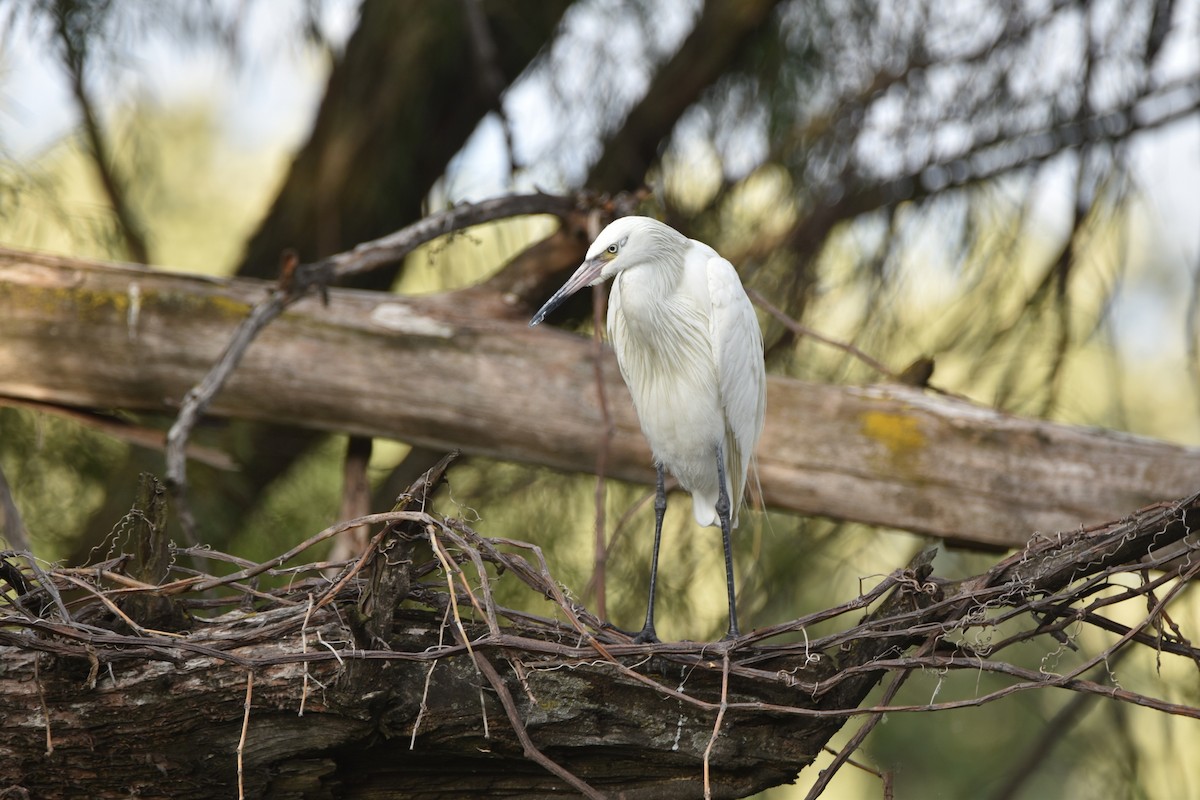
{"x": 712, "y": 740}
{"x": 37, "y": 680}
{"x": 111, "y": 606}
{"x": 855, "y": 763}
{"x": 826, "y": 775}
{"x": 304, "y": 649}
{"x": 245, "y": 726}
{"x": 803, "y": 330}
{"x": 199, "y": 396}
{"x": 424, "y": 708}
{"x": 259, "y": 569}
{"x": 450, "y": 568}
{"x": 488, "y": 607}
{"x": 47, "y": 585}
{"x": 518, "y": 725}
{"x": 395, "y": 246}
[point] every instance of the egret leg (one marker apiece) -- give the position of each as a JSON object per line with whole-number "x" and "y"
{"x": 647, "y": 634}
{"x": 723, "y": 509}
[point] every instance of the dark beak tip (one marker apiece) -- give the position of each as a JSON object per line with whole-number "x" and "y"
{"x": 586, "y": 275}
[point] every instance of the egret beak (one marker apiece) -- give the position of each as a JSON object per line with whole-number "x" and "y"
{"x": 588, "y": 274}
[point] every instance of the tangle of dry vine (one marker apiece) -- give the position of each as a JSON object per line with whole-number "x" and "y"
{"x": 1053, "y": 591}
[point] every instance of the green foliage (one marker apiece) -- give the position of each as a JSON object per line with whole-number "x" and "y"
{"x": 56, "y": 468}
{"x": 298, "y": 504}
{"x": 199, "y": 195}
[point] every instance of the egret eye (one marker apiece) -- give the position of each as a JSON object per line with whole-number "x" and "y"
{"x": 612, "y": 249}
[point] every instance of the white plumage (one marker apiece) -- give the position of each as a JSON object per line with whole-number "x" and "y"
{"x": 690, "y": 350}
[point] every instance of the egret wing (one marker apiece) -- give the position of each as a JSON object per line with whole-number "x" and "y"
{"x": 738, "y": 354}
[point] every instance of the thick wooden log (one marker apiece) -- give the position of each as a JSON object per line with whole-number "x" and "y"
{"x": 444, "y": 372}
{"x": 169, "y": 725}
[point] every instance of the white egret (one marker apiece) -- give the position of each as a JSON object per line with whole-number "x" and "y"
{"x": 690, "y": 350}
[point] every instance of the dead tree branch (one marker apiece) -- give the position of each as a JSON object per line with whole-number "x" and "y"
{"x": 495, "y": 388}
{"x": 297, "y": 280}
{"x": 72, "y": 26}
{"x": 401, "y": 705}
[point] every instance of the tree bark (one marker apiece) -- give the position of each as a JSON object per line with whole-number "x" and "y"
{"x": 400, "y": 103}
{"x": 439, "y": 372}
{"x": 286, "y": 698}
{"x": 170, "y": 726}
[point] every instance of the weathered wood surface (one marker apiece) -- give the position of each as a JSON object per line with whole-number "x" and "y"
{"x": 169, "y": 726}
{"x": 456, "y": 371}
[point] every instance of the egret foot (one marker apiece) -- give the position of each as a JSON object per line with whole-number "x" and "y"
{"x": 646, "y": 636}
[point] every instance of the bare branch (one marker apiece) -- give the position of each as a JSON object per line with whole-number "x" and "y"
{"x": 394, "y": 247}
{"x": 296, "y": 281}
{"x": 69, "y": 21}
{"x": 787, "y": 697}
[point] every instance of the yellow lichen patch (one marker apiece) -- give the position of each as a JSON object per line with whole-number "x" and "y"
{"x": 93, "y": 304}
{"x": 181, "y": 302}
{"x": 88, "y": 300}
{"x": 899, "y": 433}
{"x": 88, "y": 303}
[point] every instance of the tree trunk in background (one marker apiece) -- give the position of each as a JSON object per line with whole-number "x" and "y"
{"x": 401, "y": 102}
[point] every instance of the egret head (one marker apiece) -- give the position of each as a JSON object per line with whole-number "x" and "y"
{"x": 626, "y": 242}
